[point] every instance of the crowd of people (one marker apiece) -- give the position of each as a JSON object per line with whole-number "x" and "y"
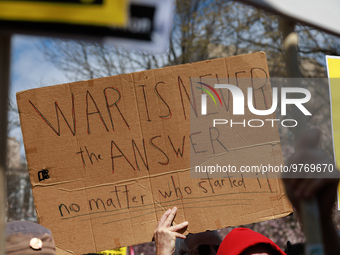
{"x": 31, "y": 238}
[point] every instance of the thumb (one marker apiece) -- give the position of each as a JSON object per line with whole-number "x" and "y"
{"x": 309, "y": 139}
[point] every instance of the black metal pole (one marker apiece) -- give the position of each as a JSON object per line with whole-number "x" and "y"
{"x": 5, "y": 54}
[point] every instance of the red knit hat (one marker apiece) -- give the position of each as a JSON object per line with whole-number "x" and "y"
{"x": 240, "y": 239}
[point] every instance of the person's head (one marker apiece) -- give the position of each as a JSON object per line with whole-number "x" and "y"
{"x": 205, "y": 243}
{"x": 24, "y": 237}
{"x": 243, "y": 241}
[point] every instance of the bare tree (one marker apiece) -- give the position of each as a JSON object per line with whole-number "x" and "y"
{"x": 205, "y": 29}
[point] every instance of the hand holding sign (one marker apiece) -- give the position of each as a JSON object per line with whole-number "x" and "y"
{"x": 165, "y": 235}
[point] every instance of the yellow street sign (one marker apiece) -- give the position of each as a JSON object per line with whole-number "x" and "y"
{"x": 81, "y": 12}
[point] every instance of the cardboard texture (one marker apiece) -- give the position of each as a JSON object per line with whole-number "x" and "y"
{"x": 107, "y": 157}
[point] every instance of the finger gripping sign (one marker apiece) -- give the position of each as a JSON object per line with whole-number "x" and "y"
{"x": 114, "y": 154}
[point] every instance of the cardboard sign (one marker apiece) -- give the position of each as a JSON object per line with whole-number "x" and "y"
{"x": 114, "y": 154}
{"x": 333, "y": 70}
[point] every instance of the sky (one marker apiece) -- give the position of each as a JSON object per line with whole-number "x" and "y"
{"x": 29, "y": 70}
